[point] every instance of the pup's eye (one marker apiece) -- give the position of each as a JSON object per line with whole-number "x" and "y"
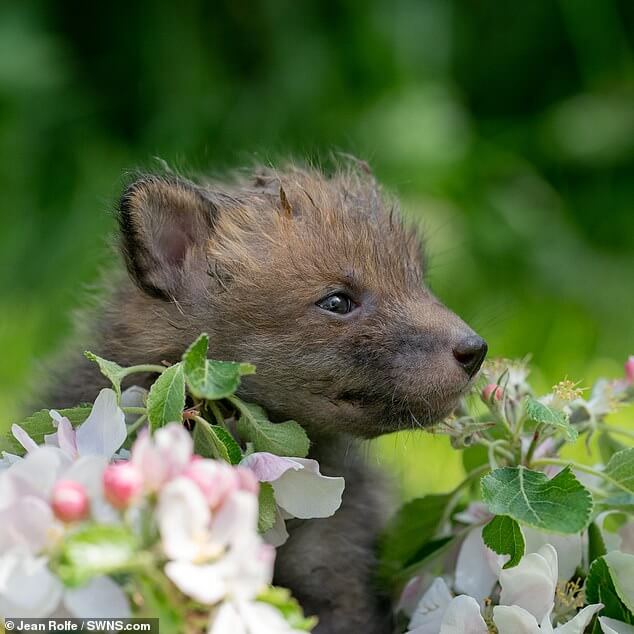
{"x": 338, "y": 303}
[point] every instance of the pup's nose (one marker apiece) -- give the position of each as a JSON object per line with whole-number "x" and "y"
{"x": 470, "y": 353}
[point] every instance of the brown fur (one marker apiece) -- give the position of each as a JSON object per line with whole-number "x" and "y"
{"x": 247, "y": 262}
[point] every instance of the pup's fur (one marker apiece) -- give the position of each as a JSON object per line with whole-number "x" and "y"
{"x": 247, "y": 263}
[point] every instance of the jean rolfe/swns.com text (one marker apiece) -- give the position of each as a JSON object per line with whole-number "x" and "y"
{"x": 81, "y": 625}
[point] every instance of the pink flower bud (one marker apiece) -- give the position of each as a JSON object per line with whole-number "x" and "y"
{"x": 122, "y": 483}
{"x": 629, "y": 369}
{"x": 492, "y": 392}
{"x": 216, "y": 480}
{"x": 70, "y": 501}
{"x": 247, "y": 480}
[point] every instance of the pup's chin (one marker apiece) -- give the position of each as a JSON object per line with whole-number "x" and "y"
{"x": 376, "y": 419}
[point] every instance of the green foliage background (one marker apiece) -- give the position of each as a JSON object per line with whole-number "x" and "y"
{"x": 506, "y": 128}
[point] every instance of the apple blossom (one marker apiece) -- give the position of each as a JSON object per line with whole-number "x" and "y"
{"x": 247, "y": 480}
{"x": 216, "y": 480}
{"x": 531, "y": 584}
{"x": 163, "y": 456}
{"x": 101, "y": 434}
{"x": 612, "y": 626}
{"x": 516, "y": 620}
{"x": 69, "y": 501}
{"x": 492, "y": 392}
{"x": 46, "y": 480}
{"x": 249, "y": 617}
{"x": 527, "y": 597}
{"x": 122, "y": 483}
{"x": 300, "y": 489}
{"x": 429, "y": 612}
{"x": 478, "y": 567}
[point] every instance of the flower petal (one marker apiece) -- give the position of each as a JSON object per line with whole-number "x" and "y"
{"x": 262, "y": 618}
{"x": 7, "y": 459}
{"x": 37, "y": 473}
{"x": 176, "y": 446}
{"x": 28, "y": 589}
{"x": 475, "y": 513}
{"x": 134, "y": 396}
{"x": 268, "y": 467}
{"x": 236, "y": 521}
{"x": 568, "y": 547}
{"x": 104, "y": 431}
{"x": 578, "y": 624}
{"x": 23, "y": 438}
{"x": 26, "y": 523}
{"x": 431, "y": 608}
{"x": 612, "y": 626}
{"x": 67, "y": 437}
{"x": 511, "y": 619}
{"x": 100, "y": 598}
{"x": 226, "y": 619}
{"x": 202, "y": 583}
{"x": 626, "y": 533}
{"x": 531, "y": 584}
{"x": 477, "y": 567}
{"x": 154, "y": 468}
{"x": 463, "y": 617}
{"x": 307, "y": 493}
{"x": 183, "y": 518}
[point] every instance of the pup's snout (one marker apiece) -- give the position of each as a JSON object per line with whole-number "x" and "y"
{"x": 470, "y": 353}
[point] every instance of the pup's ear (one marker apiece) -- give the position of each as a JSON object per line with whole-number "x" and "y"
{"x": 164, "y": 224}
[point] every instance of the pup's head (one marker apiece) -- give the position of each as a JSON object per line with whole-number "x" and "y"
{"x": 315, "y": 281}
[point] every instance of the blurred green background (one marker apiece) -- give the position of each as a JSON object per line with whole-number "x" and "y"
{"x": 506, "y": 128}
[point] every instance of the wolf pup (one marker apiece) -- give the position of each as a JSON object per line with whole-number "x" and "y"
{"x": 316, "y": 281}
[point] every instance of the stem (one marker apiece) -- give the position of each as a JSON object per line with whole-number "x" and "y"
{"x": 239, "y": 405}
{"x": 134, "y": 410}
{"x": 581, "y": 467}
{"x": 482, "y": 469}
{"x": 137, "y": 424}
{"x": 456, "y": 493}
{"x": 615, "y": 429}
{"x": 137, "y": 369}
{"x": 215, "y": 410}
{"x": 532, "y": 447}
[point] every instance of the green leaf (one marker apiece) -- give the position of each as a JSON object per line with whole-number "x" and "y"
{"x": 600, "y": 588}
{"x": 504, "y": 537}
{"x": 195, "y": 356}
{"x": 96, "y": 549}
{"x": 40, "y": 424}
{"x": 282, "y": 439}
{"x": 621, "y": 567}
{"x": 159, "y": 603}
{"x": 268, "y": 508}
{"x": 413, "y": 526}
{"x": 608, "y": 446}
{"x": 561, "y": 505}
{"x": 281, "y": 599}
{"x": 233, "y": 448}
{"x": 111, "y": 370}
{"x": 166, "y": 400}
{"x": 212, "y": 441}
{"x": 211, "y": 380}
{"x": 621, "y": 469}
{"x": 540, "y": 413}
{"x": 596, "y": 545}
